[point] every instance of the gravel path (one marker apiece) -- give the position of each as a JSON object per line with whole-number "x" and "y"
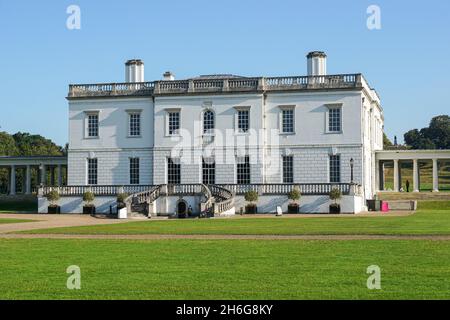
{"x": 45, "y": 221}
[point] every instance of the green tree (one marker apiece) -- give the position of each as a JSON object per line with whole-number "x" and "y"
{"x": 36, "y": 145}
{"x": 7, "y": 145}
{"x": 435, "y": 136}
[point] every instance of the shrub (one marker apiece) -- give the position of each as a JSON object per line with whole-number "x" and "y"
{"x": 121, "y": 197}
{"x": 53, "y": 197}
{"x": 88, "y": 197}
{"x": 251, "y": 196}
{"x": 294, "y": 194}
{"x": 335, "y": 195}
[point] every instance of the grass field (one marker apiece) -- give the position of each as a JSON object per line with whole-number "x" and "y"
{"x": 225, "y": 269}
{"x": 7, "y": 220}
{"x": 432, "y": 218}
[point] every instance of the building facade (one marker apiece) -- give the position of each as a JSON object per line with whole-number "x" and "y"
{"x": 226, "y": 130}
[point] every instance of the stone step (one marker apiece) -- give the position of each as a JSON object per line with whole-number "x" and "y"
{"x": 436, "y": 196}
{"x": 402, "y": 205}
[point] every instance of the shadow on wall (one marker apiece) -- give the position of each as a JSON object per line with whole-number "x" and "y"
{"x": 313, "y": 206}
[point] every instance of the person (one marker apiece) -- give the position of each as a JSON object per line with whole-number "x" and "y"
{"x": 407, "y": 185}
{"x": 190, "y": 211}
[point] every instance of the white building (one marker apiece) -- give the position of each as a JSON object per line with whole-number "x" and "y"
{"x": 236, "y": 133}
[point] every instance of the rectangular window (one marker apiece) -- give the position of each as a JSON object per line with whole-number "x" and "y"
{"x": 134, "y": 170}
{"x": 135, "y": 124}
{"x": 335, "y": 169}
{"x": 209, "y": 171}
{"x": 243, "y": 170}
{"x": 92, "y": 125}
{"x": 334, "y": 120}
{"x": 288, "y": 169}
{"x": 243, "y": 120}
{"x": 174, "y": 123}
{"x": 287, "y": 121}
{"x": 173, "y": 171}
{"x": 92, "y": 171}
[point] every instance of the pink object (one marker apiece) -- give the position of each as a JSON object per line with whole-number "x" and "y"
{"x": 384, "y": 206}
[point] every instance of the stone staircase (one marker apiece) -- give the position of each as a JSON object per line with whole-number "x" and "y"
{"x": 215, "y": 199}
{"x": 418, "y": 196}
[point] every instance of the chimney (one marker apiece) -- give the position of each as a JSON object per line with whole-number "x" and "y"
{"x": 168, "y": 76}
{"x": 134, "y": 71}
{"x": 317, "y": 63}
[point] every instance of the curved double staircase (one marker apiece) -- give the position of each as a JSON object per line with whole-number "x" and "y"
{"x": 215, "y": 200}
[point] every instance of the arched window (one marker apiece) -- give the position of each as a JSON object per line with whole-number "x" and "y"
{"x": 208, "y": 121}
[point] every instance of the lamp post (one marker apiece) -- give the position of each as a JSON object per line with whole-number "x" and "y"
{"x": 352, "y": 163}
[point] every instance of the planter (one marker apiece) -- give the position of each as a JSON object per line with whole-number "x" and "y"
{"x": 374, "y": 205}
{"x": 335, "y": 208}
{"x": 121, "y": 205}
{"x": 89, "y": 210}
{"x": 252, "y": 209}
{"x": 293, "y": 208}
{"x": 54, "y": 209}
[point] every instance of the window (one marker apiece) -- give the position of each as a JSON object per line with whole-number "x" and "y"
{"x": 288, "y": 169}
{"x": 134, "y": 170}
{"x": 134, "y": 124}
{"x": 334, "y": 119}
{"x": 92, "y": 125}
{"x": 243, "y": 120}
{"x": 335, "y": 169}
{"x": 174, "y": 122}
{"x": 209, "y": 171}
{"x": 92, "y": 171}
{"x": 243, "y": 170}
{"x": 173, "y": 171}
{"x": 287, "y": 120}
{"x": 208, "y": 122}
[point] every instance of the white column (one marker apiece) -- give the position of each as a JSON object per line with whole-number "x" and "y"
{"x": 377, "y": 175}
{"x": 28, "y": 180}
{"x": 435, "y": 176}
{"x": 415, "y": 175}
{"x": 396, "y": 176}
{"x": 43, "y": 175}
{"x": 59, "y": 176}
{"x": 13, "y": 180}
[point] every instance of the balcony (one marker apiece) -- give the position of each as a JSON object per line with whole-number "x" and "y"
{"x": 199, "y": 86}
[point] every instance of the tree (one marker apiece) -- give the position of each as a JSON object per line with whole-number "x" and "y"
{"x": 435, "y": 136}
{"x": 7, "y": 145}
{"x": 36, "y": 145}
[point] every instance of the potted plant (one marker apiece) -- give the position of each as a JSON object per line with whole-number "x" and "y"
{"x": 53, "y": 197}
{"x": 88, "y": 198}
{"x": 335, "y": 195}
{"x": 294, "y": 195}
{"x": 251, "y": 197}
{"x": 121, "y": 197}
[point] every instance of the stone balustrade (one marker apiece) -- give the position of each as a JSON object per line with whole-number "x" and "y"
{"x": 243, "y": 84}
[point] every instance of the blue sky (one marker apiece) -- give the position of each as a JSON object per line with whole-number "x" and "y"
{"x": 407, "y": 61}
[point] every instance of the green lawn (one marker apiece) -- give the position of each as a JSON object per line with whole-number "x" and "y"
{"x": 8, "y": 220}
{"x": 224, "y": 269}
{"x": 432, "y": 218}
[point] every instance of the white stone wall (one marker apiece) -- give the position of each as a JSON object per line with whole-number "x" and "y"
{"x": 310, "y": 145}
{"x": 167, "y": 205}
{"x": 113, "y": 166}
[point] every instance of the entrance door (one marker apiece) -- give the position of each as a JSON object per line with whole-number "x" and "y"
{"x": 182, "y": 209}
